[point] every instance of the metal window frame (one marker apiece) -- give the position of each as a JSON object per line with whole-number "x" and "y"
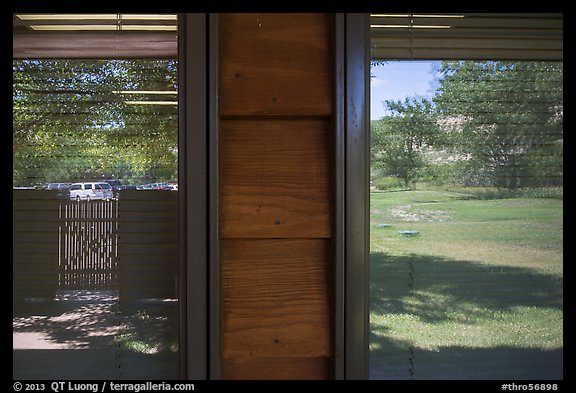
{"x": 199, "y": 196}
{"x": 352, "y": 196}
{"x": 193, "y": 215}
{"x": 198, "y": 169}
{"x": 196, "y": 143}
{"x": 214, "y": 360}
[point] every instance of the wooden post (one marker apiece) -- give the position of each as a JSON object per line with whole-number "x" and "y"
{"x": 276, "y": 203}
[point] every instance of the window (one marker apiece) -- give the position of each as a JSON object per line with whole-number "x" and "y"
{"x": 466, "y": 198}
{"x": 96, "y": 276}
{"x": 116, "y": 286}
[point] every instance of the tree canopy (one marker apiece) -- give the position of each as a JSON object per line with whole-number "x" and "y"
{"x": 398, "y": 140}
{"x": 82, "y": 119}
{"x": 503, "y": 119}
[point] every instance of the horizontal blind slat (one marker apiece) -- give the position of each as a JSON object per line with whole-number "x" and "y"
{"x": 467, "y": 36}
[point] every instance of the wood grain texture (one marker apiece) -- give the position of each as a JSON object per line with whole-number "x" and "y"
{"x": 148, "y": 246}
{"x": 275, "y": 298}
{"x": 309, "y": 368}
{"x": 94, "y": 46}
{"x": 275, "y": 179}
{"x": 276, "y": 64}
{"x": 34, "y": 244}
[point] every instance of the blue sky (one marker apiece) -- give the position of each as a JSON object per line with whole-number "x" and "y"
{"x": 397, "y": 80}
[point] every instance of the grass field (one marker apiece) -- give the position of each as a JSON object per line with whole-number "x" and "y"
{"x": 478, "y": 285}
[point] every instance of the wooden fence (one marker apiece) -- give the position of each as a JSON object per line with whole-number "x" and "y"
{"x": 88, "y": 244}
{"x": 34, "y": 244}
{"x": 130, "y": 245}
{"x": 148, "y": 245}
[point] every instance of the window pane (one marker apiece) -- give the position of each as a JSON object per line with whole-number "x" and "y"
{"x": 467, "y": 220}
{"x": 95, "y": 269}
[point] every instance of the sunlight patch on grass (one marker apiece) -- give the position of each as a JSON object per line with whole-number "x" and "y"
{"x": 521, "y": 255}
{"x": 132, "y": 342}
{"x": 482, "y": 273}
{"x": 147, "y": 333}
{"x": 522, "y": 327}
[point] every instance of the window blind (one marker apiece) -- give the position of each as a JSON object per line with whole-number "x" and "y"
{"x": 94, "y": 36}
{"x": 467, "y": 36}
{"x": 95, "y": 279}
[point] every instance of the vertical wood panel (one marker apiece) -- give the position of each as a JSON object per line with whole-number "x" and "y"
{"x": 301, "y": 368}
{"x": 275, "y": 179}
{"x": 275, "y": 301}
{"x": 87, "y": 244}
{"x": 275, "y": 64}
{"x": 276, "y": 205}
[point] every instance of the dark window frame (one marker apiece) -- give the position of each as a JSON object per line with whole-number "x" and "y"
{"x": 199, "y": 280}
{"x": 351, "y": 152}
{"x": 357, "y": 196}
{"x": 350, "y": 326}
{"x": 547, "y": 26}
{"x": 193, "y": 195}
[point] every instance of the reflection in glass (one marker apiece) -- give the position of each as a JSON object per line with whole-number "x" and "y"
{"x": 466, "y": 224}
{"x": 95, "y": 278}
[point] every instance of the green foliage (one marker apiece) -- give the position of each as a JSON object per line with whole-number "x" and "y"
{"x": 483, "y": 273}
{"x": 399, "y": 140}
{"x": 388, "y": 183}
{"x": 490, "y": 124}
{"x": 72, "y": 122}
{"x": 509, "y": 119}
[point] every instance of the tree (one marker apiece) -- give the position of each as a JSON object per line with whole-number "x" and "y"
{"x": 399, "y": 139}
{"x": 72, "y": 121}
{"x": 511, "y": 119}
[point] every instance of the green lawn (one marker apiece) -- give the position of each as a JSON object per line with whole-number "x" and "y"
{"x": 478, "y": 275}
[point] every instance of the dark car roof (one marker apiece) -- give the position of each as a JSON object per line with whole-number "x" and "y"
{"x": 58, "y": 186}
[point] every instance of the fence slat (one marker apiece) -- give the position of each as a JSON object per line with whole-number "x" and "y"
{"x": 88, "y": 235}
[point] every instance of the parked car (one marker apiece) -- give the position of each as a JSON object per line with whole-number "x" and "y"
{"x": 155, "y": 186}
{"x": 90, "y": 191}
{"x": 62, "y": 189}
{"x": 116, "y": 186}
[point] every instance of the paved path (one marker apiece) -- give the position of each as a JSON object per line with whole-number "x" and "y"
{"x": 75, "y": 336}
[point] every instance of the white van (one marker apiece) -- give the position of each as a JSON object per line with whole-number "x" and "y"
{"x": 90, "y": 191}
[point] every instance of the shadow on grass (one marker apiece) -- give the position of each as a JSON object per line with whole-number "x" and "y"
{"x": 459, "y": 283}
{"x": 435, "y": 290}
{"x": 397, "y": 360}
